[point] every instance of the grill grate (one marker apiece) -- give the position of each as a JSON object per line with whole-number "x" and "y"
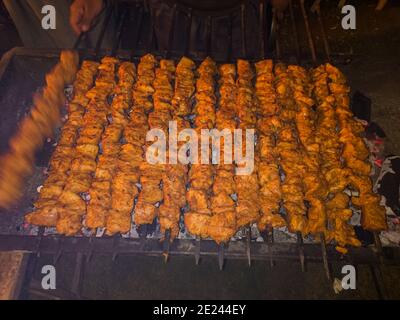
{"x": 246, "y": 248}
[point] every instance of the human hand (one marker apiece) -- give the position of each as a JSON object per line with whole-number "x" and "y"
{"x": 82, "y": 14}
{"x": 280, "y": 6}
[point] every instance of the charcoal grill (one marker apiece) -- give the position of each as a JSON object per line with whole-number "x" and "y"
{"x": 22, "y": 71}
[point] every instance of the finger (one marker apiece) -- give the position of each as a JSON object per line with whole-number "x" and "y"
{"x": 87, "y": 20}
{"x": 76, "y": 16}
{"x": 91, "y": 11}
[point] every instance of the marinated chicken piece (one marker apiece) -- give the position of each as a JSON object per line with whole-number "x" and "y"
{"x": 201, "y": 175}
{"x": 355, "y": 153}
{"x": 145, "y": 213}
{"x": 46, "y": 216}
{"x": 314, "y": 183}
{"x": 96, "y": 216}
{"x": 35, "y": 128}
{"x": 69, "y": 221}
{"x": 268, "y": 127}
{"x": 174, "y": 177}
{"x": 309, "y": 148}
{"x": 197, "y": 223}
{"x": 84, "y": 166}
{"x": 291, "y": 153}
{"x": 118, "y": 222}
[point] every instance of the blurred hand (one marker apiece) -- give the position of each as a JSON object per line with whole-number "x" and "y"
{"x": 82, "y": 14}
{"x": 280, "y": 6}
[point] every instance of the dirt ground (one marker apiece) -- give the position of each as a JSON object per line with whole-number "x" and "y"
{"x": 369, "y": 56}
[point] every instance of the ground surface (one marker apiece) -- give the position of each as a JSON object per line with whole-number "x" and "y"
{"x": 151, "y": 278}
{"x": 374, "y": 69}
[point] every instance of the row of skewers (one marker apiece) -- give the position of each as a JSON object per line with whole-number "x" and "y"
{"x": 309, "y": 152}
{"x": 34, "y": 129}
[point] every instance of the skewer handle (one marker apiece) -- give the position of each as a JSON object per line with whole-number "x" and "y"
{"x": 197, "y": 251}
{"x": 301, "y": 251}
{"x": 248, "y": 246}
{"x": 325, "y": 257}
{"x": 221, "y": 258}
{"x": 166, "y": 244}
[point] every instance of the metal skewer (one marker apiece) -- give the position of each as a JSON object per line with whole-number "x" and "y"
{"x": 115, "y": 245}
{"x": 248, "y": 246}
{"x": 243, "y": 28}
{"x": 376, "y": 269}
{"x": 277, "y": 36}
{"x": 317, "y": 8}
{"x": 301, "y": 250}
{"x": 189, "y": 32}
{"x": 59, "y": 251}
{"x": 295, "y": 34}
{"x": 308, "y": 31}
{"x": 270, "y": 241}
{"x": 262, "y": 28}
{"x": 166, "y": 245}
{"x": 221, "y": 258}
{"x": 325, "y": 257}
{"x": 40, "y": 234}
{"x": 197, "y": 251}
{"x": 171, "y": 32}
{"x": 90, "y": 251}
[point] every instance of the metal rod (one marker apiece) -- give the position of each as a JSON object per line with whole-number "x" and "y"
{"x": 79, "y": 40}
{"x": 243, "y": 28}
{"x": 189, "y": 33}
{"x": 294, "y": 31}
{"x": 39, "y": 240}
{"x": 166, "y": 245}
{"x": 171, "y": 32}
{"x": 197, "y": 251}
{"x": 121, "y": 18}
{"x": 150, "y": 43}
{"x": 323, "y": 32}
{"x": 248, "y": 248}
{"x": 308, "y": 31}
{"x": 269, "y": 16}
{"x": 59, "y": 251}
{"x": 138, "y": 30}
{"x": 277, "y": 36}
{"x": 77, "y": 279}
{"x": 208, "y": 35}
{"x": 103, "y": 30}
{"x": 378, "y": 244}
{"x": 115, "y": 246}
{"x": 301, "y": 250}
{"x": 270, "y": 241}
{"x": 230, "y": 39}
{"x": 186, "y": 247}
{"x": 262, "y": 27}
{"x": 90, "y": 251}
{"x": 377, "y": 271}
{"x": 325, "y": 257}
{"x": 221, "y": 256}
